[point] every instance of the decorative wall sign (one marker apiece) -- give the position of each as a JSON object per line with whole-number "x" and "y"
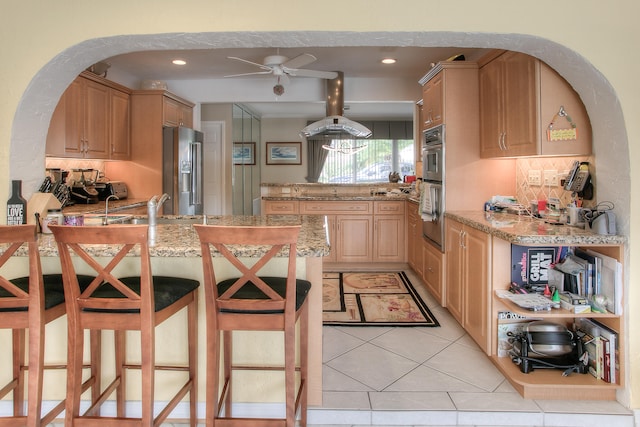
{"x": 244, "y": 153}
{"x": 284, "y": 153}
{"x": 562, "y": 134}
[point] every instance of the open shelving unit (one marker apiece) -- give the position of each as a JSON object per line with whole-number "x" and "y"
{"x": 550, "y": 383}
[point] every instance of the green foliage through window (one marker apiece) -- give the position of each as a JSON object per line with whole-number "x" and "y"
{"x": 372, "y": 164}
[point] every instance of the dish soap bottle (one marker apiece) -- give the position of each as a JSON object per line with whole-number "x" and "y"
{"x": 16, "y": 205}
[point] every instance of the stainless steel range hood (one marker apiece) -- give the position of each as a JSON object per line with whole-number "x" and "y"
{"x": 335, "y": 124}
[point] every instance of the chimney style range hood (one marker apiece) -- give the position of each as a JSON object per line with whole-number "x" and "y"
{"x": 335, "y": 124}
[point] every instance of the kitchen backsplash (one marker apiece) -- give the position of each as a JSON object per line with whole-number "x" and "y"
{"x": 525, "y": 192}
{"x": 69, "y": 164}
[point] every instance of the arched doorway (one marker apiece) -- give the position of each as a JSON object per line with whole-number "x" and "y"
{"x": 611, "y": 148}
{"x": 38, "y": 102}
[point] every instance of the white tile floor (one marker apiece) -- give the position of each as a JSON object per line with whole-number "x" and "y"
{"x": 432, "y": 377}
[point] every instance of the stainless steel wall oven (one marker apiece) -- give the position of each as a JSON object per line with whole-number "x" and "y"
{"x": 433, "y": 164}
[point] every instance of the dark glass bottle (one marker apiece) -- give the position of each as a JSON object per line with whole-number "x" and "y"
{"x": 17, "y": 205}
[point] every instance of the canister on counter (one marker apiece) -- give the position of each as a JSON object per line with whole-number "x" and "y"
{"x": 55, "y": 217}
{"x": 74, "y": 220}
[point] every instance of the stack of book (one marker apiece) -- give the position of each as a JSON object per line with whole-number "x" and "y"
{"x": 601, "y": 344}
{"x": 587, "y": 273}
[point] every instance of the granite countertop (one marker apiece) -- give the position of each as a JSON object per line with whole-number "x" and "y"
{"x": 181, "y": 240}
{"x": 340, "y": 197}
{"x": 526, "y": 230}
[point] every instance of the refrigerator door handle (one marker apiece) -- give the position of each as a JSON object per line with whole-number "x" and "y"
{"x": 196, "y": 173}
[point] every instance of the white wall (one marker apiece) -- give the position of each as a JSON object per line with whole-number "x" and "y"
{"x": 283, "y": 130}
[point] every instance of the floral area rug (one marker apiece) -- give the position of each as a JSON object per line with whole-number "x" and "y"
{"x": 373, "y": 299}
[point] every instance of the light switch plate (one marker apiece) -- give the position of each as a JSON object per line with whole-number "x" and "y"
{"x": 551, "y": 178}
{"x": 534, "y": 177}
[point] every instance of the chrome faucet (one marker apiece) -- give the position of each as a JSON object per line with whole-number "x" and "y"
{"x": 153, "y": 206}
{"x": 105, "y": 220}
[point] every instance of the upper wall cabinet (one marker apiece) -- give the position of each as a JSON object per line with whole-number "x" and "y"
{"x": 177, "y": 113}
{"x": 150, "y": 111}
{"x": 520, "y": 97}
{"x": 432, "y": 102}
{"x": 91, "y": 120}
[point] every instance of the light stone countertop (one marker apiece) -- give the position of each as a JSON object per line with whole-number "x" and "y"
{"x": 525, "y": 230}
{"x": 181, "y": 240}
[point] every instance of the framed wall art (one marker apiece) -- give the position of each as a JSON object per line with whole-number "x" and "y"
{"x": 284, "y": 153}
{"x": 244, "y": 153}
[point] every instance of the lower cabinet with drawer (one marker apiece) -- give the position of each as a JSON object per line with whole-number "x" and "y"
{"x": 362, "y": 231}
{"x": 280, "y": 207}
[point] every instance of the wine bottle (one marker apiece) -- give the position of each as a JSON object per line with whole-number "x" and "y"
{"x": 17, "y": 205}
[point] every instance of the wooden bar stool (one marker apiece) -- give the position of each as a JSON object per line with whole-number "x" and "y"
{"x": 253, "y": 303}
{"x": 29, "y": 303}
{"x": 133, "y": 303}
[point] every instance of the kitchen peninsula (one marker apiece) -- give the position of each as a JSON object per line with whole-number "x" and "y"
{"x": 177, "y": 251}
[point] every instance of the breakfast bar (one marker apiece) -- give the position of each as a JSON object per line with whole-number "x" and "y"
{"x": 177, "y": 253}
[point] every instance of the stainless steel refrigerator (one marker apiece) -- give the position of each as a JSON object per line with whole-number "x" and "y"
{"x": 182, "y": 170}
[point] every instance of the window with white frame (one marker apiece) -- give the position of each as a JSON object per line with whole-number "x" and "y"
{"x": 372, "y": 163}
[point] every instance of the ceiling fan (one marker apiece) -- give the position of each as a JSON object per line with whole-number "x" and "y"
{"x": 283, "y": 68}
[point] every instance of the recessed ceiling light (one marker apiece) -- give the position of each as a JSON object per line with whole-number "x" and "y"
{"x": 179, "y": 62}
{"x": 388, "y": 61}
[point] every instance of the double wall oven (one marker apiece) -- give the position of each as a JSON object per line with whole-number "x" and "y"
{"x": 433, "y": 152}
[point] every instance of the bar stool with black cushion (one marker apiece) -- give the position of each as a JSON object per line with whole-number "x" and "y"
{"x": 253, "y": 303}
{"x": 28, "y": 303}
{"x": 132, "y": 303}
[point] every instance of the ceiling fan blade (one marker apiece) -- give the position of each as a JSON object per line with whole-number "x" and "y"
{"x": 313, "y": 73}
{"x": 264, "y": 67}
{"x": 249, "y": 74}
{"x": 299, "y": 61}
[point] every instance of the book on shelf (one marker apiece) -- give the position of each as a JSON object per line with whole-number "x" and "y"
{"x": 608, "y": 357}
{"x": 530, "y": 265}
{"x": 593, "y": 346}
{"x": 594, "y": 265}
{"x": 608, "y": 280}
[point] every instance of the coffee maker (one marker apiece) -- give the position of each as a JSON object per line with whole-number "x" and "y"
{"x": 82, "y": 183}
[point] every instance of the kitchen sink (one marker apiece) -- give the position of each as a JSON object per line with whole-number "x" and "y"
{"x": 98, "y": 219}
{"x": 168, "y": 220}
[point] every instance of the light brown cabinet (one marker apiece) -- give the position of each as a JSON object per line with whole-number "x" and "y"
{"x": 432, "y": 273}
{"x": 177, "y": 113}
{"x": 362, "y": 231}
{"x": 423, "y": 257}
{"x": 467, "y": 279}
{"x": 120, "y": 126}
{"x": 414, "y": 238}
{"x": 519, "y": 97}
{"x": 389, "y": 231}
{"x": 432, "y": 102}
{"x": 508, "y": 106}
{"x": 143, "y": 173}
{"x": 280, "y": 207}
{"x": 350, "y": 228}
{"x": 91, "y": 121}
{"x": 354, "y": 238}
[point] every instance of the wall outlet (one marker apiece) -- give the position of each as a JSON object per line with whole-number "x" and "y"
{"x": 534, "y": 177}
{"x": 551, "y": 178}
